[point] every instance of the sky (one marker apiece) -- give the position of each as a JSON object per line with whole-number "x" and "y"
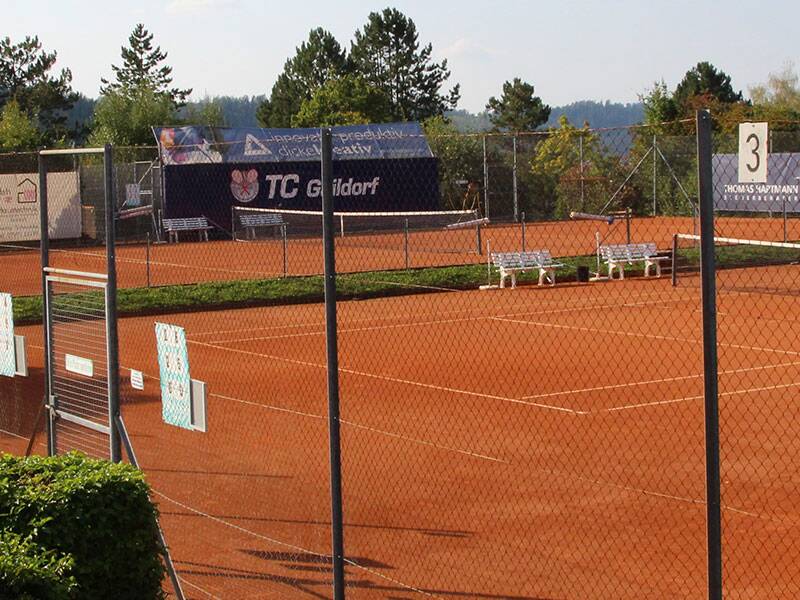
{"x": 569, "y": 50}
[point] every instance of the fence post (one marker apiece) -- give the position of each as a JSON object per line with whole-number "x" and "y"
{"x": 44, "y": 236}
{"x": 405, "y": 241}
{"x": 485, "y": 182}
{"x": 111, "y": 307}
{"x": 655, "y": 173}
{"x": 514, "y": 176}
{"x": 708, "y": 281}
{"x": 337, "y": 533}
{"x": 285, "y": 251}
{"x": 147, "y": 258}
{"x": 523, "y": 232}
{"x": 580, "y": 152}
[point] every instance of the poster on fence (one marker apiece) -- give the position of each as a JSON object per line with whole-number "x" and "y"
{"x": 780, "y": 192}
{"x": 8, "y": 363}
{"x": 19, "y": 206}
{"x": 176, "y": 384}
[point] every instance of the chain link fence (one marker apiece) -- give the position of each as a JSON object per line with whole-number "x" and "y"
{"x": 540, "y": 441}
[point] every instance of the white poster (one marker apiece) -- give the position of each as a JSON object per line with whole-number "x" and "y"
{"x": 19, "y": 206}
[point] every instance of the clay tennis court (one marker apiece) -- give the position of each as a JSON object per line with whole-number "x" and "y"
{"x": 529, "y": 443}
{"x": 192, "y": 262}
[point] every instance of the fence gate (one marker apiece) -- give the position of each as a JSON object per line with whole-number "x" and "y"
{"x": 78, "y": 362}
{"x": 79, "y": 290}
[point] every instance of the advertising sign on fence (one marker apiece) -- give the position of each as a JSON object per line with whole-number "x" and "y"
{"x": 780, "y": 192}
{"x": 176, "y": 384}
{"x": 19, "y": 206}
{"x": 8, "y": 363}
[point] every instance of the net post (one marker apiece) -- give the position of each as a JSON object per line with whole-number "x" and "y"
{"x": 708, "y": 281}
{"x": 523, "y": 231}
{"x": 674, "y": 260}
{"x": 147, "y": 258}
{"x": 111, "y": 304}
{"x": 405, "y": 241}
{"x": 44, "y": 245}
{"x": 628, "y": 224}
{"x": 337, "y": 533}
{"x": 285, "y": 250}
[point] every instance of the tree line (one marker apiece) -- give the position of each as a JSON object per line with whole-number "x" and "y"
{"x": 387, "y": 74}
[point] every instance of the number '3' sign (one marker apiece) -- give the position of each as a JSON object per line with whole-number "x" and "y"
{"x": 753, "y": 152}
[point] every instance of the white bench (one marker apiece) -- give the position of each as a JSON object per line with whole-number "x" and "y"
{"x": 174, "y": 226}
{"x": 616, "y": 256}
{"x": 251, "y": 222}
{"x": 510, "y": 263}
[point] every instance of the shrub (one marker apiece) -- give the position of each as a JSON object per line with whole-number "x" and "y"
{"x": 95, "y": 512}
{"x": 29, "y": 571}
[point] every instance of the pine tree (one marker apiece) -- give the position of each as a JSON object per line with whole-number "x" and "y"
{"x": 517, "y": 109}
{"x": 141, "y": 68}
{"x": 387, "y": 53}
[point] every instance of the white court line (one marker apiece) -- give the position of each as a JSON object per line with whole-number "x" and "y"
{"x": 424, "y": 442}
{"x": 391, "y": 379}
{"x": 350, "y": 423}
{"x": 642, "y": 335}
{"x": 652, "y": 381}
{"x": 526, "y": 305}
{"x": 779, "y": 386}
{"x": 466, "y": 319}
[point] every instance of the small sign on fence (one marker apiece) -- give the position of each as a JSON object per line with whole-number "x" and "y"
{"x": 173, "y": 366}
{"x": 753, "y": 152}
{"x": 8, "y": 361}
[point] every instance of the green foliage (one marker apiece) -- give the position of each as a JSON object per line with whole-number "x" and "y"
{"x": 578, "y": 185}
{"x": 126, "y": 118}
{"x": 778, "y": 99}
{"x": 30, "y": 572}
{"x": 344, "y": 100}
{"x": 460, "y": 159}
{"x": 387, "y": 53}
{"x": 142, "y": 69}
{"x": 705, "y": 80}
{"x": 17, "y": 131}
{"x": 208, "y": 112}
{"x": 315, "y": 61}
{"x": 95, "y": 512}
{"x": 25, "y": 77}
{"x": 518, "y": 109}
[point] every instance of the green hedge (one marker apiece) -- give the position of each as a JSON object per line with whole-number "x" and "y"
{"x": 93, "y": 516}
{"x": 28, "y": 571}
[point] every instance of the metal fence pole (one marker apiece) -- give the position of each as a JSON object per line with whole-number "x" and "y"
{"x": 285, "y": 250}
{"x": 655, "y": 174}
{"x": 337, "y": 527}
{"x": 514, "y": 176}
{"x": 405, "y": 241}
{"x": 523, "y": 232}
{"x": 708, "y": 281}
{"x": 580, "y": 153}
{"x": 485, "y": 181}
{"x": 111, "y": 308}
{"x": 44, "y": 245}
{"x": 147, "y": 258}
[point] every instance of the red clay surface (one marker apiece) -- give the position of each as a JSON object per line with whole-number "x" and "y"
{"x": 530, "y": 443}
{"x": 192, "y": 262}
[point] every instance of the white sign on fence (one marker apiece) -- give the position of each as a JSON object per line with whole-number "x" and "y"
{"x": 176, "y": 384}
{"x": 753, "y": 152}
{"x": 19, "y": 206}
{"x": 8, "y": 362}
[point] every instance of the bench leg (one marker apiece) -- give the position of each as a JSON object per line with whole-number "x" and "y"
{"x": 550, "y": 274}
{"x": 205, "y": 234}
{"x": 503, "y": 276}
{"x": 513, "y": 279}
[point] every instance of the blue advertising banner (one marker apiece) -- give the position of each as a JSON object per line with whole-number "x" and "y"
{"x": 173, "y": 367}
{"x": 386, "y": 185}
{"x": 203, "y": 145}
{"x": 781, "y": 190}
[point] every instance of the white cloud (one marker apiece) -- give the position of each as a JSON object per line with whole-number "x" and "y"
{"x": 466, "y": 47}
{"x": 190, "y": 6}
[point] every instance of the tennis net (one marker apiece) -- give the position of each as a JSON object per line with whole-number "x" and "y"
{"x": 771, "y": 267}
{"x": 433, "y": 231}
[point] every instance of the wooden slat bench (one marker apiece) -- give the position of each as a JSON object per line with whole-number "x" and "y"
{"x": 616, "y": 256}
{"x": 251, "y": 222}
{"x": 174, "y": 226}
{"x": 509, "y": 263}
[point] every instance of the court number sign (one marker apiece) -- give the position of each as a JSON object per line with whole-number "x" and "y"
{"x": 753, "y": 152}
{"x": 8, "y": 361}
{"x": 176, "y": 384}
